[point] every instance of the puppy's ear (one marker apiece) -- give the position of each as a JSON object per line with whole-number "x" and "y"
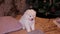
{"x": 25, "y": 13}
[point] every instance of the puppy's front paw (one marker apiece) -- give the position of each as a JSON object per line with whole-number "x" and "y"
{"x": 33, "y": 27}
{"x": 28, "y": 29}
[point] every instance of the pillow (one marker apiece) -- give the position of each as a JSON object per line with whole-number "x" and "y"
{"x": 9, "y": 24}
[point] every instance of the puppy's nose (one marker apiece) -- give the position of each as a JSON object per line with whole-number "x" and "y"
{"x": 32, "y": 19}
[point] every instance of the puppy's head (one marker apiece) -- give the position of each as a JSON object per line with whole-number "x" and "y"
{"x": 30, "y": 14}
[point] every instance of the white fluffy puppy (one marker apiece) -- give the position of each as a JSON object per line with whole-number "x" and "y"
{"x": 28, "y": 20}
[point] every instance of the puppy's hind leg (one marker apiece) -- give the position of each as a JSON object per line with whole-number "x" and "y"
{"x": 23, "y": 27}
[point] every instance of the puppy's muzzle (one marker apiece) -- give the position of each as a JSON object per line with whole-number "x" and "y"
{"x": 32, "y": 19}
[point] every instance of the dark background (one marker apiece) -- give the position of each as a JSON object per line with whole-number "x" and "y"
{"x": 44, "y": 8}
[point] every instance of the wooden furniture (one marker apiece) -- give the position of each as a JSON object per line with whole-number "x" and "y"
{"x": 41, "y": 24}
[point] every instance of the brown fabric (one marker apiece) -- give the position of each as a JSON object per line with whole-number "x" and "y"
{"x": 12, "y": 7}
{"x": 9, "y": 24}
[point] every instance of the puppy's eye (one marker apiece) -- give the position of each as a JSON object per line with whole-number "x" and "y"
{"x": 30, "y": 16}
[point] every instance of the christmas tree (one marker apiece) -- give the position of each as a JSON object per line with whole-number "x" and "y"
{"x": 46, "y": 8}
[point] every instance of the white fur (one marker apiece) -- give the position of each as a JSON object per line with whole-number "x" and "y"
{"x": 26, "y": 20}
